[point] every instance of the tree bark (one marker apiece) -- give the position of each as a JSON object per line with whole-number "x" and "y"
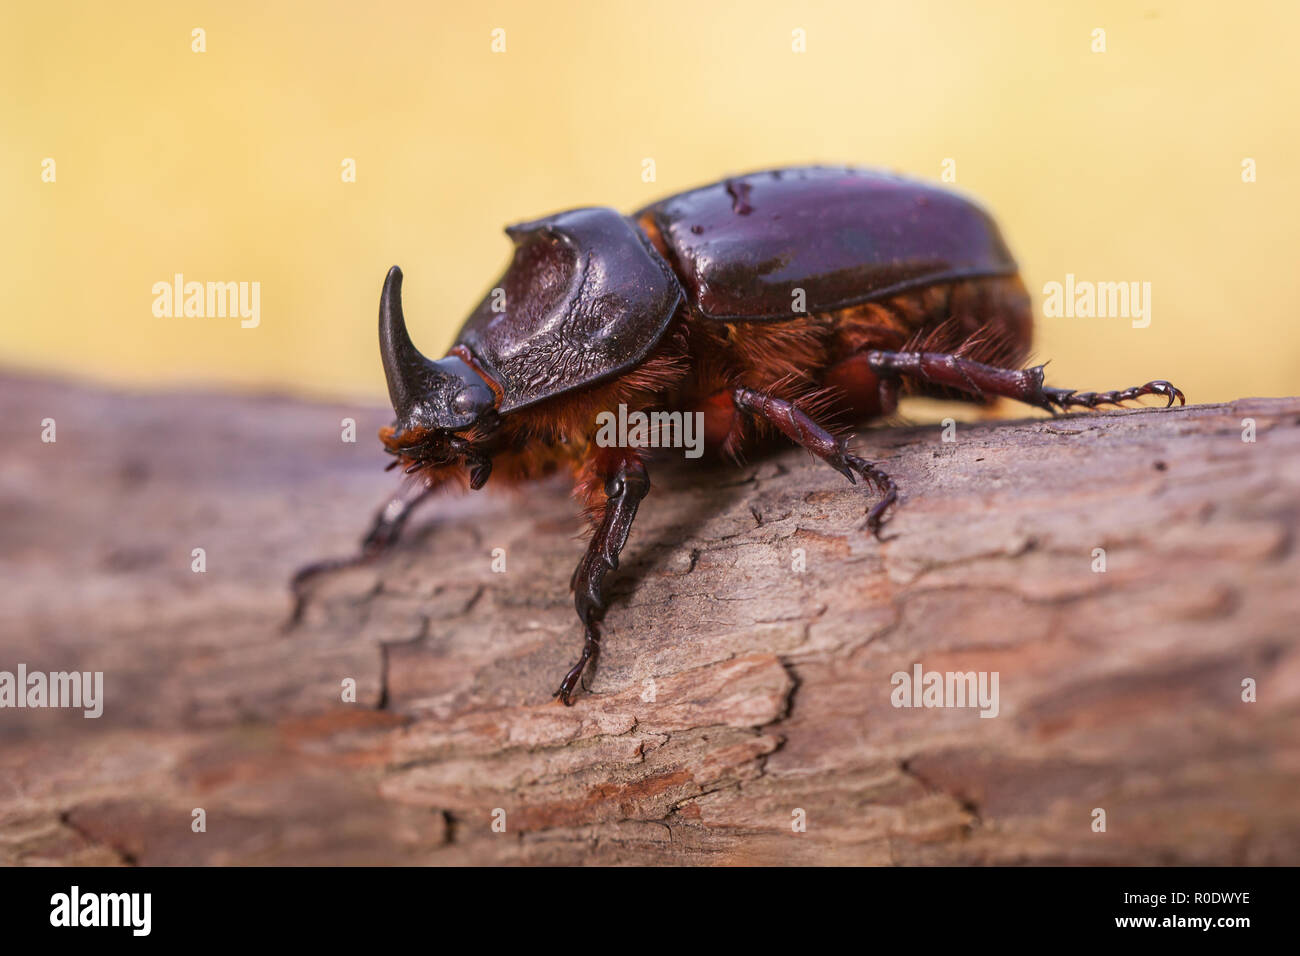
{"x": 742, "y": 710}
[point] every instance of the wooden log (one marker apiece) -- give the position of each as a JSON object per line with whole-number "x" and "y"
{"x": 746, "y": 683}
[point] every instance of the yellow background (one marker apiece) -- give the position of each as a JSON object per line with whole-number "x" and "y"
{"x": 225, "y": 165}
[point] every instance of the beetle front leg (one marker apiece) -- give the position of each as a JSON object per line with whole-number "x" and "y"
{"x": 384, "y": 531}
{"x": 625, "y": 485}
{"x": 1025, "y": 385}
{"x": 801, "y": 429}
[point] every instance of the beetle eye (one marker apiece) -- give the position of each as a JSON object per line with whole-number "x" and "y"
{"x": 471, "y": 400}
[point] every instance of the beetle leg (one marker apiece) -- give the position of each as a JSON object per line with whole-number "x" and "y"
{"x": 1065, "y": 398}
{"x": 384, "y": 532}
{"x": 624, "y": 490}
{"x": 1025, "y": 385}
{"x": 801, "y": 429}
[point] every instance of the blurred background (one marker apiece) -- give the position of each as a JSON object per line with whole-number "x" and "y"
{"x": 230, "y": 164}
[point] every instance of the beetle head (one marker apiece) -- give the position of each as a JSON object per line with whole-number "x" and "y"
{"x": 437, "y": 403}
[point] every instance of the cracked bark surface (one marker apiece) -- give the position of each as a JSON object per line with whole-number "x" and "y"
{"x": 771, "y": 687}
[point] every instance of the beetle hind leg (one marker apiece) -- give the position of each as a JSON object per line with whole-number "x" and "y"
{"x": 1024, "y": 385}
{"x": 800, "y": 428}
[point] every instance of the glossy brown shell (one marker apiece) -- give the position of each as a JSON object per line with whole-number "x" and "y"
{"x": 585, "y": 297}
{"x": 743, "y": 246}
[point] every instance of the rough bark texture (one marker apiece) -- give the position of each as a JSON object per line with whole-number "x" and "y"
{"x": 733, "y": 690}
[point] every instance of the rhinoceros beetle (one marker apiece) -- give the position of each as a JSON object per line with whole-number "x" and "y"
{"x": 776, "y": 303}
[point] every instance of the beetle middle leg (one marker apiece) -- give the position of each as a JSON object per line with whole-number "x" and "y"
{"x": 1025, "y": 385}
{"x": 626, "y": 483}
{"x": 801, "y": 429}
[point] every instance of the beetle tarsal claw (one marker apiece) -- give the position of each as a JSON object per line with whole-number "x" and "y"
{"x": 590, "y": 651}
{"x": 875, "y": 519}
{"x": 1067, "y": 398}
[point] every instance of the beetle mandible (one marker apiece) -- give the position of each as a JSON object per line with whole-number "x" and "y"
{"x": 771, "y": 303}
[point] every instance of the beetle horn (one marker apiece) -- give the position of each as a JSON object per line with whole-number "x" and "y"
{"x": 447, "y": 394}
{"x": 405, "y": 368}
